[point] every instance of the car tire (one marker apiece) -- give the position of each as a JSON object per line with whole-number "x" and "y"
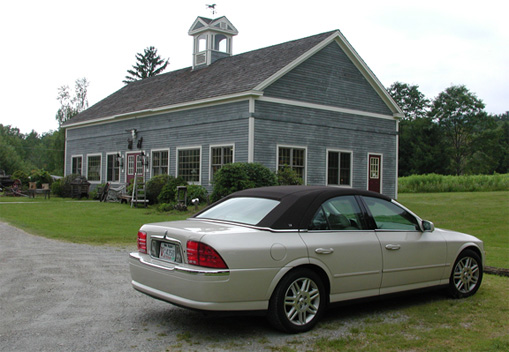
{"x": 298, "y": 301}
{"x": 466, "y": 275}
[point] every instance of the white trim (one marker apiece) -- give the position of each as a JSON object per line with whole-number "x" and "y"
{"x": 325, "y": 107}
{"x": 397, "y": 161}
{"x": 381, "y": 171}
{"x": 251, "y": 139}
{"x": 226, "y": 99}
{"x": 339, "y": 166}
{"x": 201, "y": 162}
{"x": 152, "y": 159}
{"x": 65, "y": 153}
{"x": 221, "y": 145}
{"x": 82, "y": 162}
{"x": 294, "y": 147}
{"x": 100, "y": 168}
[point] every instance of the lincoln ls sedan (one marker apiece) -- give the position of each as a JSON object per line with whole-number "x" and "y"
{"x": 290, "y": 251}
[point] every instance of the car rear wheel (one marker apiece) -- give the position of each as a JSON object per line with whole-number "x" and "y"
{"x": 466, "y": 275}
{"x": 297, "y": 302}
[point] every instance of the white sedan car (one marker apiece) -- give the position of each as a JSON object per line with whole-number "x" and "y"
{"x": 290, "y": 251}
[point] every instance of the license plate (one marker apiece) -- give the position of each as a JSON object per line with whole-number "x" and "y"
{"x": 167, "y": 251}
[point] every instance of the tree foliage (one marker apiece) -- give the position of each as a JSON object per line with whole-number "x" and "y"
{"x": 408, "y": 97}
{"x": 450, "y": 135}
{"x": 71, "y": 105}
{"x": 147, "y": 65}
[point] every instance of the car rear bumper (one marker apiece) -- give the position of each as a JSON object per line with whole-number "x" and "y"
{"x": 203, "y": 289}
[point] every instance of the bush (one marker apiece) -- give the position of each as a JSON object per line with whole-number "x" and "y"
{"x": 288, "y": 176}
{"x": 238, "y": 176}
{"x": 22, "y": 176}
{"x": 62, "y": 187}
{"x": 169, "y": 191}
{"x": 196, "y": 191}
{"x": 155, "y": 186}
{"x": 40, "y": 176}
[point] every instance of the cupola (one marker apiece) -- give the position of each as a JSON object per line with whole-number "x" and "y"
{"x": 212, "y": 40}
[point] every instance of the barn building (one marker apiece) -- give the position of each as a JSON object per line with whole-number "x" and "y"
{"x": 311, "y": 104}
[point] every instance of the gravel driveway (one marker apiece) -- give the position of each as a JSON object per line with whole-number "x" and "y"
{"x": 57, "y": 296}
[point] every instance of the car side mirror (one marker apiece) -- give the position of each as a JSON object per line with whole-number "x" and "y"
{"x": 427, "y": 226}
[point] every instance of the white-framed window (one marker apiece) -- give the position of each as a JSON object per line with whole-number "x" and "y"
{"x": 189, "y": 164}
{"x": 160, "y": 162}
{"x": 77, "y": 164}
{"x": 339, "y": 167}
{"x": 294, "y": 157}
{"x": 220, "y": 155}
{"x": 112, "y": 168}
{"x": 94, "y": 168}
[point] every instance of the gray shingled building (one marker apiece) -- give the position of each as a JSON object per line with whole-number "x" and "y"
{"x": 312, "y": 104}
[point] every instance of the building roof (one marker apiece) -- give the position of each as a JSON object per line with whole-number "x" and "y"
{"x": 229, "y": 76}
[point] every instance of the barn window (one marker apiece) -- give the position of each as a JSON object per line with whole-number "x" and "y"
{"x": 188, "y": 164}
{"x": 339, "y": 168}
{"x": 220, "y": 156}
{"x": 293, "y": 157}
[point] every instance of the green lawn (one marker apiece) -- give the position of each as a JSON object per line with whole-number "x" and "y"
{"x": 89, "y": 222}
{"x": 423, "y": 322}
{"x": 483, "y": 214}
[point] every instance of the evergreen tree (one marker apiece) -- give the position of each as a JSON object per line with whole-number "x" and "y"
{"x": 148, "y": 64}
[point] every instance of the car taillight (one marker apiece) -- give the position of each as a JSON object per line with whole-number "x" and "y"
{"x": 202, "y": 254}
{"x": 142, "y": 242}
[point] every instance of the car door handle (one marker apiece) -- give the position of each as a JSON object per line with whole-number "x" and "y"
{"x": 324, "y": 250}
{"x": 392, "y": 247}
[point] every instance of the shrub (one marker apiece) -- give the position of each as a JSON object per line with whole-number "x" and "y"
{"x": 155, "y": 186}
{"x": 169, "y": 191}
{"x": 22, "y": 176}
{"x": 62, "y": 187}
{"x": 40, "y": 176}
{"x": 238, "y": 176}
{"x": 196, "y": 191}
{"x": 288, "y": 176}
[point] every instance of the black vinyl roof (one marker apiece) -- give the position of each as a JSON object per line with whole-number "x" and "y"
{"x": 297, "y": 203}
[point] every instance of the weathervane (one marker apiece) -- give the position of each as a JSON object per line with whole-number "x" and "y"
{"x": 212, "y": 8}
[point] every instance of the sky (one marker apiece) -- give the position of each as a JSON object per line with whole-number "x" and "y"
{"x": 434, "y": 44}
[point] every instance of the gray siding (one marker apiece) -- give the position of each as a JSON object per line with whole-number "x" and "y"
{"x": 216, "y": 125}
{"x": 329, "y": 78}
{"x": 318, "y": 130}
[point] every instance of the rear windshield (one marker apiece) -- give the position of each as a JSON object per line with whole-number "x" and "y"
{"x": 245, "y": 210}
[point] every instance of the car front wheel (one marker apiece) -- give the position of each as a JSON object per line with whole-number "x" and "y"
{"x": 297, "y": 302}
{"x": 466, "y": 275}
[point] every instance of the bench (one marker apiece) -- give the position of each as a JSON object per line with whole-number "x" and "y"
{"x": 33, "y": 190}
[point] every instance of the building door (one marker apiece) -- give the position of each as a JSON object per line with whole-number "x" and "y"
{"x": 374, "y": 172}
{"x": 134, "y": 166}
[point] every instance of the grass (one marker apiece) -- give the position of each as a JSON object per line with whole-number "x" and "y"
{"x": 482, "y": 214}
{"x": 428, "y": 322}
{"x": 423, "y": 322}
{"x": 439, "y": 183}
{"x": 89, "y": 222}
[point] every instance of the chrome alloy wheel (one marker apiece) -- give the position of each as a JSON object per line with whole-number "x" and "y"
{"x": 466, "y": 274}
{"x": 302, "y": 301}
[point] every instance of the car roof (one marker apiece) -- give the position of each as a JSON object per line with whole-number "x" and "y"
{"x": 297, "y": 203}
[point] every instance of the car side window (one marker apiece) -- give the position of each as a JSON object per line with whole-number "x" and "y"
{"x": 389, "y": 216}
{"x": 340, "y": 213}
